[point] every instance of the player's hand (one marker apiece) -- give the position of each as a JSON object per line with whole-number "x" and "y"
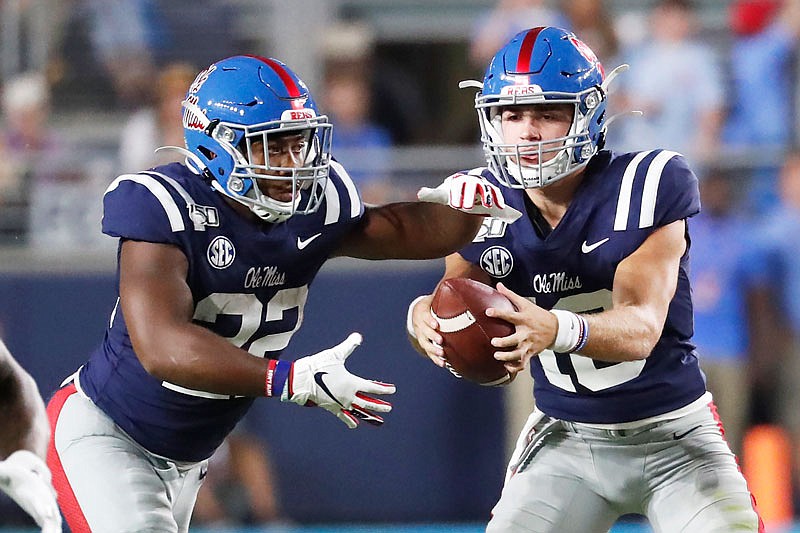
{"x": 26, "y": 480}
{"x": 426, "y": 333}
{"x": 471, "y": 194}
{"x": 321, "y": 379}
{"x": 534, "y": 330}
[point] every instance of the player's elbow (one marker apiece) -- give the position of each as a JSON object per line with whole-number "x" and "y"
{"x": 640, "y": 351}
{"x": 640, "y": 328}
{"x": 645, "y": 341}
{"x": 635, "y": 349}
{"x": 633, "y": 342}
{"x": 154, "y": 356}
{"x": 151, "y": 363}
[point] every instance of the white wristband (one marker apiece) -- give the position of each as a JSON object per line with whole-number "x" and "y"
{"x": 572, "y": 334}
{"x": 409, "y": 322}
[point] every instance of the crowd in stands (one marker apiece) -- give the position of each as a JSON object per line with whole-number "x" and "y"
{"x": 726, "y": 100}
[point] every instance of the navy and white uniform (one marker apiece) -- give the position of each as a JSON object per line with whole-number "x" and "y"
{"x": 621, "y": 201}
{"x": 249, "y": 283}
{"x": 611, "y": 438}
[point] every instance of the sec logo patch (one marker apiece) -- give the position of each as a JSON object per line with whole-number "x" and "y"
{"x": 221, "y": 252}
{"x": 497, "y": 261}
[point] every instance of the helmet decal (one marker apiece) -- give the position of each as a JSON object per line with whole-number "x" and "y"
{"x": 584, "y": 49}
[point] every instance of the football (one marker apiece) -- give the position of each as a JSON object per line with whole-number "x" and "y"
{"x": 459, "y": 306}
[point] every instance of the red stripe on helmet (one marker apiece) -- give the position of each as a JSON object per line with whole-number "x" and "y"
{"x": 286, "y": 78}
{"x": 283, "y": 74}
{"x": 526, "y": 50}
{"x": 291, "y": 86}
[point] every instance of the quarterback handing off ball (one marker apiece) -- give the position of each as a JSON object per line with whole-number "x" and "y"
{"x": 459, "y": 305}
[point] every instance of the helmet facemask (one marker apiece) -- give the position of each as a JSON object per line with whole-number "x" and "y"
{"x": 249, "y": 181}
{"x": 572, "y": 151}
{"x": 303, "y": 147}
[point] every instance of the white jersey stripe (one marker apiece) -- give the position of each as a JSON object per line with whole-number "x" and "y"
{"x": 651, "y": 181}
{"x": 161, "y": 194}
{"x": 352, "y": 191}
{"x": 332, "y": 207}
{"x": 184, "y": 194}
{"x": 198, "y": 393}
{"x": 624, "y": 200}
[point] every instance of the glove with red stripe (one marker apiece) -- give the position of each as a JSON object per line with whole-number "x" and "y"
{"x": 472, "y": 194}
{"x": 321, "y": 379}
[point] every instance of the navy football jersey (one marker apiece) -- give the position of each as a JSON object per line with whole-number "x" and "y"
{"x": 249, "y": 282}
{"x": 621, "y": 201}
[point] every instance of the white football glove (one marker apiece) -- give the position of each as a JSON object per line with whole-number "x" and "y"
{"x": 471, "y": 194}
{"x": 321, "y": 379}
{"x": 26, "y": 480}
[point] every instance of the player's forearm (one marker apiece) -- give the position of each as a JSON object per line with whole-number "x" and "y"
{"x": 627, "y": 334}
{"x": 411, "y": 230}
{"x": 193, "y": 357}
{"x": 446, "y": 230}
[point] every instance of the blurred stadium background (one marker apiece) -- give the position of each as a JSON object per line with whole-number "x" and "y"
{"x": 438, "y": 463}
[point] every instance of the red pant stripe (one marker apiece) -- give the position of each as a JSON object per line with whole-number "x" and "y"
{"x": 66, "y": 497}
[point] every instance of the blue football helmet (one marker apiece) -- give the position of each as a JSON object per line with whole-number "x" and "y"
{"x": 542, "y": 65}
{"x": 243, "y": 100}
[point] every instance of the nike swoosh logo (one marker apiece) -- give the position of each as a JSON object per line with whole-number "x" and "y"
{"x": 676, "y": 436}
{"x": 586, "y": 247}
{"x": 321, "y": 383}
{"x": 302, "y": 243}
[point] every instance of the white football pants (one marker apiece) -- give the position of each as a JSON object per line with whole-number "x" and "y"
{"x": 106, "y": 482}
{"x": 679, "y": 473}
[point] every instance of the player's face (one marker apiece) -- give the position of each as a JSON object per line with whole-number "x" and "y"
{"x": 536, "y": 123}
{"x": 284, "y": 151}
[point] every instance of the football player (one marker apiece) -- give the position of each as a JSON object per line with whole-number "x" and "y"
{"x": 24, "y": 476}
{"x": 597, "y": 271}
{"x": 215, "y": 260}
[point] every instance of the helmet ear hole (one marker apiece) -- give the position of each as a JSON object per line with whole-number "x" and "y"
{"x": 601, "y": 118}
{"x": 207, "y": 153}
